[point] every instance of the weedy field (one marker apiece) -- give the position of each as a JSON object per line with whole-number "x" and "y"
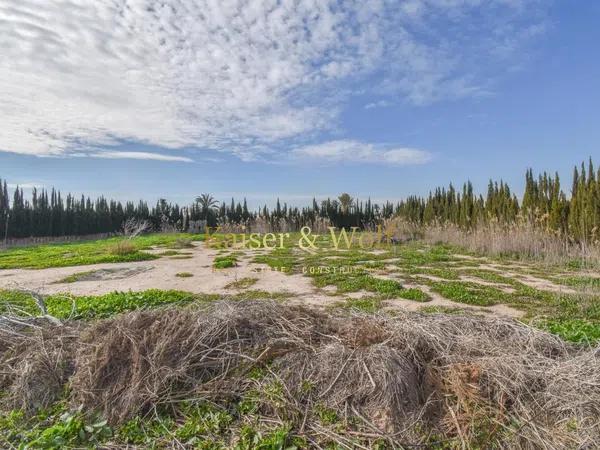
{"x": 167, "y": 341}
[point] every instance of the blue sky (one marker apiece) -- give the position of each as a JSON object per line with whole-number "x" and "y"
{"x": 295, "y": 99}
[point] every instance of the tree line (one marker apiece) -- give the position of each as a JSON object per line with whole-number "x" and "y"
{"x": 544, "y": 203}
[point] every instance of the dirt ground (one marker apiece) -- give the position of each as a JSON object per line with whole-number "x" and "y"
{"x": 202, "y": 278}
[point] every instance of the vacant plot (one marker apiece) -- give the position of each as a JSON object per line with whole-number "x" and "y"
{"x": 413, "y": 276}
{"x": 409, "y": 345}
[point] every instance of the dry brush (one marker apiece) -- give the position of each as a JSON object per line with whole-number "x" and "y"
{"x": 408, "y": 380}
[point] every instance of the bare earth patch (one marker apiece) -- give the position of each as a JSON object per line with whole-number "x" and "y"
{"x": 138, "y": 276}
{"x": 112, "y": 273}
{"x": 202, "y": 278}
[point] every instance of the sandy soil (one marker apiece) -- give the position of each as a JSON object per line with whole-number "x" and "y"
{"x": 161, "y": 274}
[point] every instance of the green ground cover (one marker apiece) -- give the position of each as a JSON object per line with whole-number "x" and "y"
{"x": 110, "y": 250}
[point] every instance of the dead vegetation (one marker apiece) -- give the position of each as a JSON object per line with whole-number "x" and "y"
{"x": 122, "y": 248}
{"x": 133, "y": 227}
{"x": 410, "y": 380}
{"x": 522, "y": 239}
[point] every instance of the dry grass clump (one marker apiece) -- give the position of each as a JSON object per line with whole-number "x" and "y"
{"x": 521, "y": 240}
{"x": 122, "y": 248}
{"x": 36, "y": 357}
{"x": 182, "y": 243}
{"x": 408, "y": 380}
{"x": 135, "y": 361}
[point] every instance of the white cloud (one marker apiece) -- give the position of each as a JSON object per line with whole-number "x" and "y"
{"x": 230, "y": 75}
{"x": 378, "y": 104}
{"x": 138, "y": 155}
{"x": 360, "y": 152}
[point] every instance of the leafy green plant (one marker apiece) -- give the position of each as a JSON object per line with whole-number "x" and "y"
{"x": 224, "y": 262}
{"x": 573, "y": 330}
{"x": 469, "y": 293}
{"x": 52, "y": 429}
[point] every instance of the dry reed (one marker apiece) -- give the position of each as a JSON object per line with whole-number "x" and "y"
{"x": 403, "y": 379}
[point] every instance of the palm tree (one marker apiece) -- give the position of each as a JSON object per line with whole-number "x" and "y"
{"x": 206, "y": 202}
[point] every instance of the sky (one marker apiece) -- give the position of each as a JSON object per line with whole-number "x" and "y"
{"x": 294, "y": 99}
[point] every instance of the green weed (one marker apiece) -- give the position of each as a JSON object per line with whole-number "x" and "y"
{"x": 224, "y": 262}
{"x": 469, "y": 293}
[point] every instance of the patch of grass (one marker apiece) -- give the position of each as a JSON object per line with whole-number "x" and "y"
{"x": 282, "y": 259}
{"x": 198, "y": 425}
{"x": 416, "y": 254}
{"x": 75, "y": 277}
{"x": 54, "y": 428}
{"x": 242, "y": 283}
{"x": 202, "y": 421}
{"x": 224, "y": 262}
{"x": 492, "y": 277}
{"x": 19, "y": 303}
{"x": 366, "y": 304}
{"x": 327, "y": 416}
{"x": 169, "y": 253}
{"x": 111, "y": 250}
{"x": 262, "y": 295}
{"x": 184, "y": 274}
{"x": 443, "y": 310}
{"x": 574, "y": 317}
{"x": 181, "y": 243}
{"x": 444, "y": 273}
{"x": 469, "y": 293}
{"x": 65, "y": 306}
{"x": 414, "y": 294}
{"x": 92, "y": 307}
{"x": 573, "y": 330}
{"x": 579, "y": 281}
{"x": 356, "y": 281}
